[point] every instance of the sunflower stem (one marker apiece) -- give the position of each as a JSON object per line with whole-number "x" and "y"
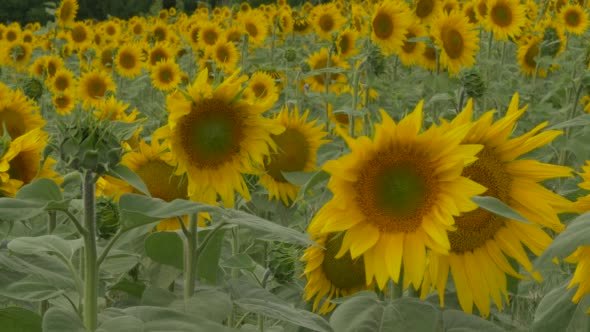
{"x": 563, "y": 154}
{"x": 503, "y": 53}
{"x": 355, "y": 91}
{"x": 90, "y": 254}
{"x": 190, "y": 266}
{"x": 52, "y": 222}
{"x": 490, "y": 40}
{"x": 235, "y": 273}
{"x": 327, "y": 77}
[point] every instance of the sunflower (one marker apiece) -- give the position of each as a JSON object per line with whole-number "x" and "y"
{"x": 326, "y": 19}
{"x": 481, "y": 9}
{"x": 574, "y": 18}
{"x": 160, "y": 52}
{"x": 128, "y": 61}
{"x": 428, "y": 58}
{"x": 297, "y": 148}
{"x": 66, "y": 12}
{"x": 225, "y": 54}
{"x": 17, "y": 55}
{"x": 457, "y": 39}
{"x": 329, "y": 277}
{"x": 346, "y": 43}
{"x": 209, "y": 34}
{"x": 64, "y": 102}
{"x": 112, "y": 109}
{"x": 24, "y": 158}
{"x": 483, "y": 240}
{"x": 470, "y": 12}
{"x": 505, "y": 18}
{"x": 390, "y": 23}
{"x": 166, "y": 75}
{"x": 61, "y": 81}
{"x": 528, "y": 50}
{"x": 111, "y": 30}
{"x": 263, "y": 89}
{"x": 426, "y": 10}
{"x": 411, "y": 51}
{"x": 396, "y": 194}
{"x": 234, "y": 33}
{"x": 137, "y": 28}
{"x": 160, "y": 32}
{"x": 215, "y": 136}
{"x": 80, "y": 35}
{"x": 581, "y": 257}
{"x": 256, "y": 26}
{"x": 53, "y": 64}
{"x": 94, "y": 86}
{"x": 18, "y": 114}
{"x": 450, "y": 5}
{"x": 319, "y": 60}
{"x": 105, "y": 58}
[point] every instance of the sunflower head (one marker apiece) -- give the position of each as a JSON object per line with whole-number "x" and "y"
{"x": 94, "y": 87}
{"x": 389, "y": 25}
{"x": 66, "y": 12}
{"x": 128, "y": 61}
{"x": 166, "y": 75}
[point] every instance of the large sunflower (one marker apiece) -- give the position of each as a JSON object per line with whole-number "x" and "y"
{"x": 18, "y": 114}
{"x": 326, "y": 19}
{"x": 457, "y": 39}
{"x": 93, "y": 87}
{"x": 396, "y": 195}
{"x": 215, "y": 136}
{"x": 128, "y": 61}
{"x": 329, "y": 277}
{"x": 483, "y": 240}
{"x": 505, "y": 18}
{"x": 389, "y": 25}
{"x": 66, "y": 12}
{"x": 574, "y": 18}
{"x": 23, "y": 162}
{"x": 296, "y": 151}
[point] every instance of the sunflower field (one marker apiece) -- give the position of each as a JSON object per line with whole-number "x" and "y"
{"x": 354, "y": 165}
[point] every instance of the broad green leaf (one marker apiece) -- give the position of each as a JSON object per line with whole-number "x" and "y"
{"x": 271, "y": 230}
{"x": 210, "y": 303}
{"x": 41, "y": 190}
{"x": 284, "y": 312}
{"x": 557, "y": 312}
{"x": 124, "y": 173}
{"x": 575, "y": 235}
{"x": 137, "y": 210}
{"x": 45, "y": 244}
{"x": 16, "y": 209}
{"x": 157, "y": 297}
{"x": 60, "y": 320}
{"x": 119, "y": 262}
{"x": 582, "y": 120}
{"x": 121, "y": 324}
{"x": 134, "y": 288}
{"x": 15, "y": 319}
{"x": 498, "y": 207}
{"x": 298, "y": 178}
{"x": 208, "y": 263}
{"x": 458, "y": 321}
{"x": 240, "y": 261}
{"x": 32, "y": 200}
{"x": 165, "y": 248}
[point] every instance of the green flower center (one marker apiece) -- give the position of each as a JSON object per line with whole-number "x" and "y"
{"x": 400, "y": 191}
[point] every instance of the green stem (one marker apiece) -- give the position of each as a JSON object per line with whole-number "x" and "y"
{"x": 52, "y": 222}
{"x": 327, "y": 77}
{"x": 490, "y": 40}
{"x": 235, "y": 273}
{"x": 355, "y": 92}
{"x": 109, "y": 246}
{"x": 563, "y": 154}
{"x": 90, "y": 252}
{"x": 190, "y": 266}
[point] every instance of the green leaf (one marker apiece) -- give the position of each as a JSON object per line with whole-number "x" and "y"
{"x": 60, "y": 320}
{"x": 165, "y": 248}
{"x": 15, "y": 319}
{"x": 137, "y": 210}
{"x": 557, "y": 312}
{"x": 208, "y": 263}
{"x": 45, "y": 244}
{"x": 284, "y": 312}
{"x": 458, "y": 321}
{"x": 124, "y": 173}
{"x": 157, "y": 297}
{"x": 134, "y": 288}
{"x": 298, "y": 178}
{"x": 575, "y": 235}
{"x": 210, "y": 303}
{"x": 32, "y": 200}
{"x": 41, "y": 191}
{"x": 498, "y": 207}
{"x": 582, "y": 120}
{"x": 239, "y": 261}
{"x": 271, "y": 230}
{"x": 16, "y": 209}
{"x": 122, "y": 324}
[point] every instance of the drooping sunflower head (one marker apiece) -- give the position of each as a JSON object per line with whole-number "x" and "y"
{"x": 528, "y": 50}
{"x": 329, "y": 276}
{"x": 94, "y": 87}
{"x": 482, "y": 240}
{"x": 505, "y": 18}
{"x": 393, "y": 194}
{"x": 326, "y": 19}
{"x": 390, "y": 22}
{"x": 128, "y": 61}
{"x": 262, "y": 88}
{"x": 574, "y": 18}
{"x": 216, "y": 135}
{"x": 457, "y": 39}
{"x": 296, "y": 151}
{"x": 114, "y": 110}
{"x": 66, "y": 12}
{"x": 166, "y": 75}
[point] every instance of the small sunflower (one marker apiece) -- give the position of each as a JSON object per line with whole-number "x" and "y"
{"x": 263, "y": 89}
{"x": 80, "y": 35}
{"x": 390, "y": 23}
{"x": 319, "y": 60}
{"x": 482, "y": 241}
{"x": 160, "y": 52}
{"x": 426, "y": 10}
{"x": 94, "y": 86}
{"x": 505, "y": 18}
{"x": 225, "y": 54}
{"x": 296, "y": 151}
{"x": 396, "y": 194}
{"x": 428, "y": 58}
{"x": 209, "y": 34}
{"x": 18, "y": 114}
{"x": 61, "y": 81}
{"x": 256, "y": 26}
{"x": 160, "y": 32}
{"x": 457, "y": 39}
{"x": 114, "y": 110}
{"x": 17, "y": 55}
{"x": 328, "y": 276}
{"x": 215, "y": 136}
{"x": 346, "y": 43}
{"x": 166, "y": 75}
{"x": 574, "y": 18}
{"x": 527, "y": 53}
{"x": 66, "y": 12}
{"x": 128, "y": 61}
{"x": 411, "y": 51}
{"x": 64, "y": 102}
{"x": 326, "y": 19}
